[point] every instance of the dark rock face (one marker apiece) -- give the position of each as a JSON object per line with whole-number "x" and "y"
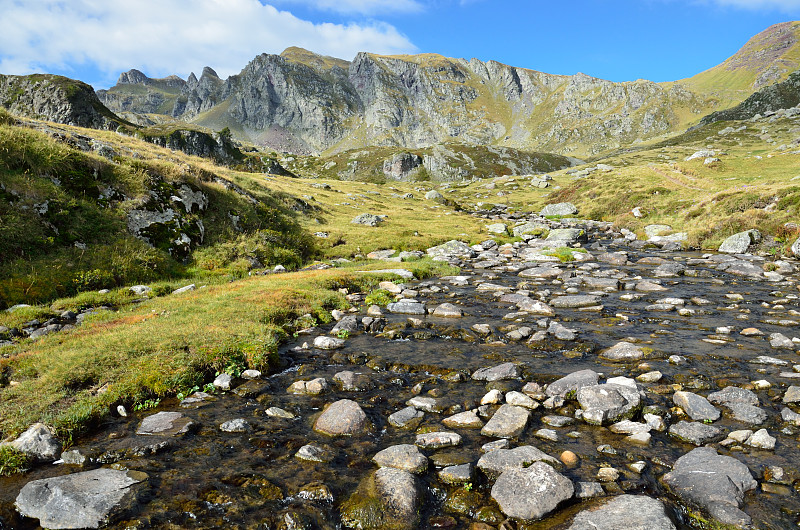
{"x": 779, "y": 96}
{"x": 55, "y": 98}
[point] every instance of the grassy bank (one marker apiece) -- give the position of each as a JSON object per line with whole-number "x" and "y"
{"x": 166, "y": 345}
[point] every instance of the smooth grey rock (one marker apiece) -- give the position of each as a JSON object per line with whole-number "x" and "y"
{"x": 588, "y": 490}
{"x": 38, "y": 442}
{"x": 792, "y": 394}
{"x": 625, "y": 512}
{"x": 733, "y": 394}
{"x": 572, "y": 383}
{"x": 447, "y": 311}
{"x": 406, "y": 418}
{"x": 608, "y": 403}
{"x": 348, "y": 324}
{"x": 342, "y": 418}
{"x": 237, "y": 425}
{"x": 761, "y": 439}
{"x": 165, "y": 424}
{"x": 508, "y": 422}
{"x": 400, "y": 493}
{"x": 562, "y": 209}
{"x": 623, "y": 351}
{"x": 497, "y": 373}
{"x": 88, "y": 499}
{"x": 185, "y": 289}
{"x": 428, "y": 404}
{"x": 528, "y": 228}
{"x": 407, "y": 307}
{"x": 781, "y": 341}
{"x": 565, "y": 236}
{"x": 713, "y": 482}
{"x": 328, "y": 343}
{"x": 669, "y": 270}
{"x": 452, "y": 249}
{"x": 404, "y": 456}
{"x": 739, "y": 243}
{"x": 695, "y": 432}
{"x": 352, "y": 382}
{"x": 223, "y": 382}
{"x": 314, "y": 453}
{"x": 494, "y": 462}
{"x": 747, "y": 413}
{"x": 459, "y": 474}
{"x": 697, "y": 407}
{"x": 437, "y": 440}
{"x": 531, "y": 493}
{"x": 497, "y": 228}
{"x": 575, "y": 301}
{"x": 463, "y": 420}
{"x": 433, "y": 195}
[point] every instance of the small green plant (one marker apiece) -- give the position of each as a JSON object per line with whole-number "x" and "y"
{"x": 186, "y": 393}
{"x": 468, "y": 486}
{"x": 209, "y": 388}
{"x": 12, "y": 461}
{"x": 708, "y": 421}
{"x": 343, "y": 333}
{"x": 380, "y": 297}
{"x": 146, "y": 404}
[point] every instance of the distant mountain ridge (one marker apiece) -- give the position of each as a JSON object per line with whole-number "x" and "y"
{"x": 303, "y": 102}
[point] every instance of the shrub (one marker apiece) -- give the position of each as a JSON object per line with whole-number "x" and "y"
{"x": 12, "y": 461}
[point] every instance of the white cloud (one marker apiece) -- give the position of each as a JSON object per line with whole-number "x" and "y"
{"x": 162, "y": 37}
{"x": 363, "y": 7}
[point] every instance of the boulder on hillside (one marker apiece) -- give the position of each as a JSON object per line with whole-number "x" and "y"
{"x": 561, "y": 209}
{"x": 367, "y": 219}
{"x": 739, "y": 243}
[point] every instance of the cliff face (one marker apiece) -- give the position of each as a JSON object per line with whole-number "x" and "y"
{"x": 779, "y": 96}
{"x": 303, "y": 102}
{"x": 55, "y": 98}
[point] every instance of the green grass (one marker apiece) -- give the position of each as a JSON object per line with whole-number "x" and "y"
{"x": 167, "y": 345}
{"x": 12, "y": 461}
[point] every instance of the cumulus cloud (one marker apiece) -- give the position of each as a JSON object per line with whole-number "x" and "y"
{"x": 363, "y": 7}
{"x": 162, "y": 37}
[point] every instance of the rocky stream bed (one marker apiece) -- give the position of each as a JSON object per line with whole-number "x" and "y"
{"x": 638, "y": 386}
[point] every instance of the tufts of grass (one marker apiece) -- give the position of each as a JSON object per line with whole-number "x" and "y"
{"x": 12, "y": 461}
{"x": 380, "y": 297}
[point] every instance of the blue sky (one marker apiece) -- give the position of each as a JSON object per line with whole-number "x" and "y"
{"x": 621, "y": 40}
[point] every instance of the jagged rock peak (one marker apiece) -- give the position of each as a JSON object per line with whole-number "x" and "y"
{"x": 209, "y": 72}
{"x": 132, "y": 77}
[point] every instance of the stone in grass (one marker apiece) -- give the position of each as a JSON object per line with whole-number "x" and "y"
{"x": 89, "y": 499}
{"x": 531, "y": 493}
{"x": 403, "y": 456}
{"x": 625, "y": 512}
{"x": 367, "y": 219}
{"x": 508, "y": 422}
{"x": 38, "y": 442}
{"x": 342, "y": 418}
{"x": 714, "y": 483}
{"x": 165, "y": 424}
{"x": 560, "y": 209}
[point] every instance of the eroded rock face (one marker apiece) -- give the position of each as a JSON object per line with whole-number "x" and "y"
{"x": 89, "y": 499}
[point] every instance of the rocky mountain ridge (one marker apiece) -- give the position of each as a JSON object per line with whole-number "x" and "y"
{"x": 306, "y": 103}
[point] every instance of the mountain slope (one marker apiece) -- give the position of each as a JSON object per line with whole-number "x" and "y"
{"x": 306, "y": 103}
